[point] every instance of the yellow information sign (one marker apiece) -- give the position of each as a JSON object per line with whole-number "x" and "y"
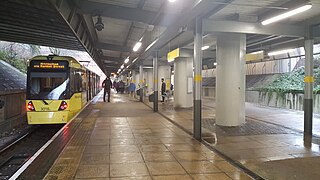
{"x": 173, "y": 54}
{"x": 255, "y": 56}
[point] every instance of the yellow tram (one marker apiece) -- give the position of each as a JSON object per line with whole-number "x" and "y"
{"x": 58, "y": 87}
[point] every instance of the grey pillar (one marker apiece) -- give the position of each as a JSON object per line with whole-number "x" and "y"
{"x": 155, "y": 84}
{"x": 308, "y": 88}
{"x": 141, "y": 82}
{"x": 197, "y": 63}
{"x": 230, "y": 79}
{"x": 183, "y": 72}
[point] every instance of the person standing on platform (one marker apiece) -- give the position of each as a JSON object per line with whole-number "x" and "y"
{"x": 132, "y": 89}
{"x": 163, "y": 89}
{"x": 107, "y": 84}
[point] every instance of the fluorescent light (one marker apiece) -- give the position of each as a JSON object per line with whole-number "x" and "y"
{"x": 150, "y": 45}
{"x": 147, "y": 67}
{"x": 204, "y": 48}
{"x": 134, "y": 60}
{"x": 257, "y": 52}
{"x": 137, "y": 46}
{"x": 215, "y": 64}
{"x": 172, "y": 1}
{"x": 280, "y": 52}
{"x": 287, "y": 14}
{"x": 126, "y": 60}
{"x": 122, "y": 66}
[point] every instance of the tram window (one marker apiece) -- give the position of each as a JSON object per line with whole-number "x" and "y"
{"x": 48, "y": 85}
{"x": 84, "y": 81}
{"x": 75, "y": 80}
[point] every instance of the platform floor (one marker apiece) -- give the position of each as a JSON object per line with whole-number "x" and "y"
{"x": 125, "y": 139}
{"x": 271, "y": 142}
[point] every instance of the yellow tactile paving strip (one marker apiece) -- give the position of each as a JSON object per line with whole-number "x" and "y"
{"x": 126, "y": 140}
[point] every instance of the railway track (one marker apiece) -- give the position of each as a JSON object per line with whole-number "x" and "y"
{"x": 13, "y": 156}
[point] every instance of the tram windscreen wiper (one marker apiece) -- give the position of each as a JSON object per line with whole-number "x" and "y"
{"x": 45, "y": 102}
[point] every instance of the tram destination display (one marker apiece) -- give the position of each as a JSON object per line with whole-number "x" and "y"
{"x": 49, "y": 66}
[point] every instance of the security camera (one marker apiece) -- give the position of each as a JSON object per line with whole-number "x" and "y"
{"x": 99, "y": 25}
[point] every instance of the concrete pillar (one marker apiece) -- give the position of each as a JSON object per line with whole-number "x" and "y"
{"x": 141, "y": 82}
{"x": 230, "y": 80}
{"x": 149, "y": 80}
{"x": 133, "y": 76}
{"x": 197, "y": 62}
{"x": 183, "y": 79}
{"x": 308, "y": 86}
{"x": 136, "y": 79}
{"x": 164, "y": 72}
{"x": 155, "y": 84}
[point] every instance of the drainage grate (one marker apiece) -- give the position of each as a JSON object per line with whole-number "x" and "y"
{"x": 249, "y": 128}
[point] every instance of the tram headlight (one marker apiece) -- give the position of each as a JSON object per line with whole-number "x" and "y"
{"x": 63, "y": 106}
{"x": 30, "y": 106}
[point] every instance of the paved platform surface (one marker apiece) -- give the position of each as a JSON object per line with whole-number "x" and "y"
{"x": 125, "y": 139}
{"x": 270, "y": 143}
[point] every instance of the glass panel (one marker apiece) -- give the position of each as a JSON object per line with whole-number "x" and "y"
{"x": 51, "y": 86}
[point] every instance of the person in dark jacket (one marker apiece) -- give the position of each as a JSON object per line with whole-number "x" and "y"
{"x": 107, "y": 84}
{"x": 163, "y": 89}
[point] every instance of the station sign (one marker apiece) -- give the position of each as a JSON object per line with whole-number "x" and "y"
{"x": 49, "y": 65}
{"x": 173, "y": 54}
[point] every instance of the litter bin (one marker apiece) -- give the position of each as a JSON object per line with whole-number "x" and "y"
{"x": 151, "y": 97}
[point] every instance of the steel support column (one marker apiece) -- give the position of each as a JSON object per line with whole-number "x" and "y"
{"x": 197, "y": 61}
{"x": 141, "y": 82}
{"x": 155, "y": 84}
{"x": 308, "y": 89}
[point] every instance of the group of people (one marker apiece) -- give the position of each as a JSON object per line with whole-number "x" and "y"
{"x": 120, "y": 87}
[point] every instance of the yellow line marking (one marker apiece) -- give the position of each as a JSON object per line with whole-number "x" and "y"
{"x": 308, "y": 79}
{"x": 197, "y": 78}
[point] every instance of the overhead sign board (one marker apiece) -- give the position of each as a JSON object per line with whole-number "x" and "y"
{"x": 173, "y": 54}
{"x": 49, "y": 65}
{"x": 254, "y": 56}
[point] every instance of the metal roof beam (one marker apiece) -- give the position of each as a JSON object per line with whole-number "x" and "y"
{"x": 292, "y": 43}
{"x": 110, "y": 58}
{"x": 210, "y": 26}
{"x": 197, "y": 9}
{"x": 112, "y": 47}
{"x": 316, "y": 31}
{"x": 119, "y": 12}
{"x": 77, "y": 25}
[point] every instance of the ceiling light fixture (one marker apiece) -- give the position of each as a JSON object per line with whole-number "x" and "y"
{"x": 126, "y": 60}
{"x": 99, "y": 25}
{"x": 257, "y": 52}
{"x": 137, "y": 46}
{"x": 122, "y": 66}
{"x": 150, "y": 45}
{"x": 287, "y": 14}
{"x": 280, "y": 52}
{"x": 205, "y": 48}
{"x": 172, "y": 1}
{"x": 134, "y": 60}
